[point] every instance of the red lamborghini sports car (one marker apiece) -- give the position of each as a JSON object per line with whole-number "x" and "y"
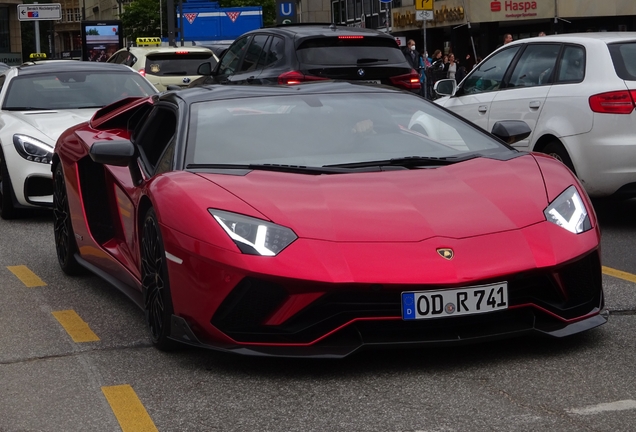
{"x": 318, "y": 219}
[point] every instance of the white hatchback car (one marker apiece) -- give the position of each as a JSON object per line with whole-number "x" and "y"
{"x": 164, "y": 66}
{"x": 38, "y": 102}
{"x": 577, "y": 92}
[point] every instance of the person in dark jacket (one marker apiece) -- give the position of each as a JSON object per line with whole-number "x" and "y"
{"x": 412, "y": 56}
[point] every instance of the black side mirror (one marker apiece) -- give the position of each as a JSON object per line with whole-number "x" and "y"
{"x": 117, "y": 153}
{"x": 205, "y": 69}
{"x": 511, "y": 131}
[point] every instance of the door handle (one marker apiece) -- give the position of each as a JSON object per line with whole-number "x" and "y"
{"x": 482, "y": 108}
{"x": 534, "y": 104}
{"x": 250, "y": 80}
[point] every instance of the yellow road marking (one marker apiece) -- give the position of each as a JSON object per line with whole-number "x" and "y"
{"x": 130, "y": 412}
{"x": 75, "y": 326}
{"x": 619, "y": 274}
{"x": 27, "y": 277}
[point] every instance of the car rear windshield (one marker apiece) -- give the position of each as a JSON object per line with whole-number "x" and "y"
{"x": 349, "y": 50}
{"x": 73, "y": 90}
{"x": 624, "y": 59}
{"x": 323, "y": 129}
{"x": 177, "y": 64}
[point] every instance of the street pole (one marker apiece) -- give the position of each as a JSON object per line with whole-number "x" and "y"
{"x": 160, "y": 19}
{"x": 37, "y": 34}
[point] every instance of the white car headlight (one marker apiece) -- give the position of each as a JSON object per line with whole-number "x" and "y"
{"x": 254, "y": 236}
{"x": 33, "y": 149}
{"x": 569, "y": 212}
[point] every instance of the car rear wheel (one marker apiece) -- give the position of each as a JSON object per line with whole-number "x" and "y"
{"x": 155, "y": 284}
{"x": 7, "y": 209}
{"x": 557, "y": 151}
{"x": 65, "y": 244}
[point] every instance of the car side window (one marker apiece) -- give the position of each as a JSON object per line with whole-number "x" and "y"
{"x": 572, "y": 64}
{"x": 490, "y": 73}
{"x": 535, "y": 66}
{"x": 157, "y": 135}
{"x": 275, "y": 51}
{"x": 253, "y": 53}
{"x": 230, "y": 60}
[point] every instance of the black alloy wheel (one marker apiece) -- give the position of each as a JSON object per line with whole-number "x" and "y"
{"x": 155, "y": 284}
{"x": 65, "y": 244}
{"x": 557, "y": 151}
{"x": 7, "y": 209}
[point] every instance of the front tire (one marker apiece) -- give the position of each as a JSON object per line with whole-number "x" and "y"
{"x": 7, "y": 209}
{"x": 65, "y": 244}
{"x": 557, "y": 151}
{"x": 155, "y": 284}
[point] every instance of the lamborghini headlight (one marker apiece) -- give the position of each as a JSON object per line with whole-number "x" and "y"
{"x": 569, "y": 212}
{"x": 33, "y": 149}
{"x": 254, "y": 236}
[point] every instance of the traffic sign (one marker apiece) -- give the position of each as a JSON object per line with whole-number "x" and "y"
{"x": 40, "y": 12}
{"x": 424, "y": 15}
{"x": 424, "y": 5}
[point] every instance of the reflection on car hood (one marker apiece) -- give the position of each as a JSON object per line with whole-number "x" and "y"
{"x": 475, "y": 197}
{"x": 53, "y": 123}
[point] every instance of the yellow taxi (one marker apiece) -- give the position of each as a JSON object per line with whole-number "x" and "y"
{"x": 163, "y": 65}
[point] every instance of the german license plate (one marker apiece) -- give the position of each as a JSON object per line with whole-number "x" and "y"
{"x": 370, "y": 81}
{"x": 454, "y": 302}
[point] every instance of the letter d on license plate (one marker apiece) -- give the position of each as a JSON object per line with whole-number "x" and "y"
{"x": 454, "y": 302}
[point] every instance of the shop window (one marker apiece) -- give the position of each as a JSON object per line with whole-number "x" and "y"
{"x": 5, "y": 40}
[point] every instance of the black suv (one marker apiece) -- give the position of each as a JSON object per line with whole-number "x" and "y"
{"x": 291, "y": 54}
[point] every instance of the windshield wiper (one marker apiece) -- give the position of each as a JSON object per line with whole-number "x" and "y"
{"x": 407, "y": 161}
{"x": 371, "y": 60}
{"x": 298, "y": 169}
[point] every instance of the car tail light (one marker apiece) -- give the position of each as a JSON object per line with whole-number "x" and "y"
{"x": 409, "y": 81}
{"x": 181, "y": 52}
{"x": 350, "y": 37}
{"x": 142, "y": 72}
{"x": 616, "y": 102}
{"x": 295, "y": 77}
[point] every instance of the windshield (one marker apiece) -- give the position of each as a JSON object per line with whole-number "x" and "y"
{"x": 335, "y": 51}
{"x": 72, "y": 90}
{"x": 177, "y": 64}
{"x": 329, "y": 129}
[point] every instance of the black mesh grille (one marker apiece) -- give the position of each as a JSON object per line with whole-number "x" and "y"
{"x": 38, "y": 186}
{"x": 248, "y": 305}
{"x": 243, "y": 312}
{"x": 582, "y": 279}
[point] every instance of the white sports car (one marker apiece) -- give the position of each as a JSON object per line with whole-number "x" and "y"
{"x": 39, "y": 101}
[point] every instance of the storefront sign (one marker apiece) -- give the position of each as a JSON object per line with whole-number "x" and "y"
{"x": 406, "y": 19}
{"x": 510, "y": 10}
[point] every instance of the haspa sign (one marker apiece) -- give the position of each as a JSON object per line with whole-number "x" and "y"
{"x": 510, "y": 10}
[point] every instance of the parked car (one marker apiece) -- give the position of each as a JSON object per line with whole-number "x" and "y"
{"x": 291, "y": 54}
{"x": 38, "y": 101}
{"x": 217, "y": 47}
{"x": 577, "y": 92}
{"x": 317, "y": 219}
{"x": 164, "y": 66}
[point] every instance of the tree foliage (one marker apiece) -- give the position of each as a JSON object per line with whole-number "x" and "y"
{"x": 141, "y": 19}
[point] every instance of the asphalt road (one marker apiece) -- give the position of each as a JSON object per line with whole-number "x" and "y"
{"x": 117, "y": 381}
